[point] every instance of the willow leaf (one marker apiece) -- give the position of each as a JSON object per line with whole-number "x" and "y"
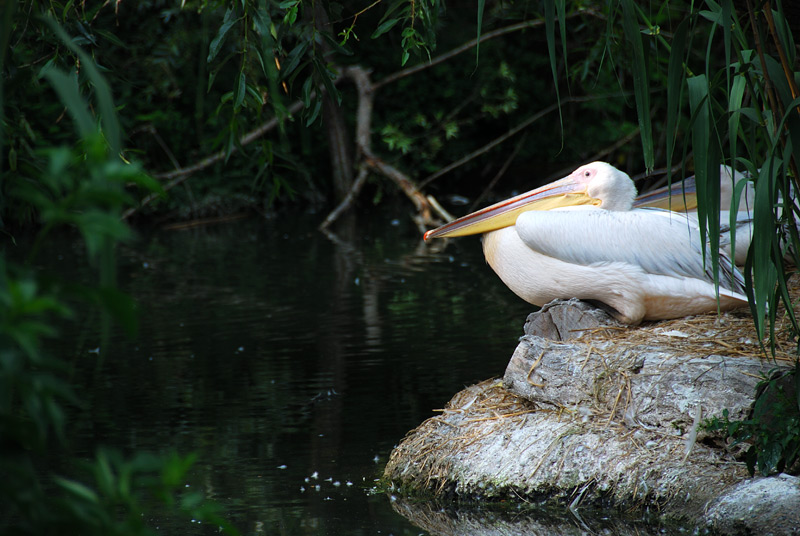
{"x": 102, "y": 91}
{"x": 707, "y": 160}
{"x": 67, "y": 89}
{"x": 241, "y": 86}
{"x": 387, "y": 25}
{"x": 726, "y": 21}
{"x": 549, "y": 24}
{"x": 561, "y": 8}
{"x": 675, "y": 78}
{"x": 784, "y": 35}
{"x": 735, "y": 99}
{"x": 641, "y": 86}
{"x": 738, "y": 188}
{"x": 325, "y": 75}
{"x": 764, "y": 272}
{"x": 294, "y": 57}
{"x": 481, "y": 5}
{"x": 698, "y": 101}
{"x": 216, "y": 44}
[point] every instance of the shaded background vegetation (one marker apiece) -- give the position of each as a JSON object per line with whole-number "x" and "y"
{"x": 652, "y": 85}
{"x": 176, "y": 108}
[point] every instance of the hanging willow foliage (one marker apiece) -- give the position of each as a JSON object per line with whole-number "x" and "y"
{"x": 731, "y": 99}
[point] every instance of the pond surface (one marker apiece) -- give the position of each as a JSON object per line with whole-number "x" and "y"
{"x": 292, "y": 362}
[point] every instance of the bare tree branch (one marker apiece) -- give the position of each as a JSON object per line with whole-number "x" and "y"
{"x": 499, "y": 174}
{"x": 348, "y": 200}
{"x": 599, "y": 155}
{"x": 486, "y": 148}
{"x": 497, "y": 141}
{"x": 469, "y": 45}
{"x": 179, "y": 175}
{"x": 369, "y": 161}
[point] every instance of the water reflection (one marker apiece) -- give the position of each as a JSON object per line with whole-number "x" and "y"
{"x": 523, "y": 520}
{"x": 290, "y": 361}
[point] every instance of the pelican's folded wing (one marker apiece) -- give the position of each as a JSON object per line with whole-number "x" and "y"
{"x": 660, "y": 242}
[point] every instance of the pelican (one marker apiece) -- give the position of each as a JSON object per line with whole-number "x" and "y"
{"x": 579, "y": 237}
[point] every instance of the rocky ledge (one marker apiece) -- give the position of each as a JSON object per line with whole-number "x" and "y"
{"x": 590, "y": 413}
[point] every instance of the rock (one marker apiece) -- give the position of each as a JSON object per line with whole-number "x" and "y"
{"x": 759, "y": 505}
{"x": 640, "y": 384}
{"x": 562, "y": 320}
{"x": 600, "y": 415}
{"x": 492, "y": 444}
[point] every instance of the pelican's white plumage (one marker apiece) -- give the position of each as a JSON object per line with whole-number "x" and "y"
{"x": 738, "y": 225}
{"x": 641, "y": 264}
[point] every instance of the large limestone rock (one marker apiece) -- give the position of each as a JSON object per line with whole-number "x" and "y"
{"x": 592, "y": 413}
{"x": 641, "y": 381}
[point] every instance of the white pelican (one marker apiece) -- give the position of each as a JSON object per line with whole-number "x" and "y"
{"x": 578, "y": 237}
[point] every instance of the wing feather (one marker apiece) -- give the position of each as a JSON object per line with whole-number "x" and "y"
{"x": 658, "y": 241}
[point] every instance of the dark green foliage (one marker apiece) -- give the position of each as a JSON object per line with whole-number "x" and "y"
{"x": 194, "y": 80}
{"x": 84, "y": 187}
{"x": 773, "y": 428}
{"x": 736, "y": 119}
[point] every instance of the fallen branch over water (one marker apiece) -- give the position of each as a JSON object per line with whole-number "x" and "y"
{"x": 368, "y": 161}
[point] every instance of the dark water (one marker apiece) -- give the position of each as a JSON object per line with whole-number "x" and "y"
{"x": 292, "y": 362}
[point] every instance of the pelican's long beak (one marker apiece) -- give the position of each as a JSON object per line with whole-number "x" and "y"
{"x": 569, "y": 191}
{"x": 679, "y": 197}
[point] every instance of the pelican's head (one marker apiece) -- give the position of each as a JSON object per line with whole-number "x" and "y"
{"x": 596, "y": 184}
{"x": 614, "y": 188}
